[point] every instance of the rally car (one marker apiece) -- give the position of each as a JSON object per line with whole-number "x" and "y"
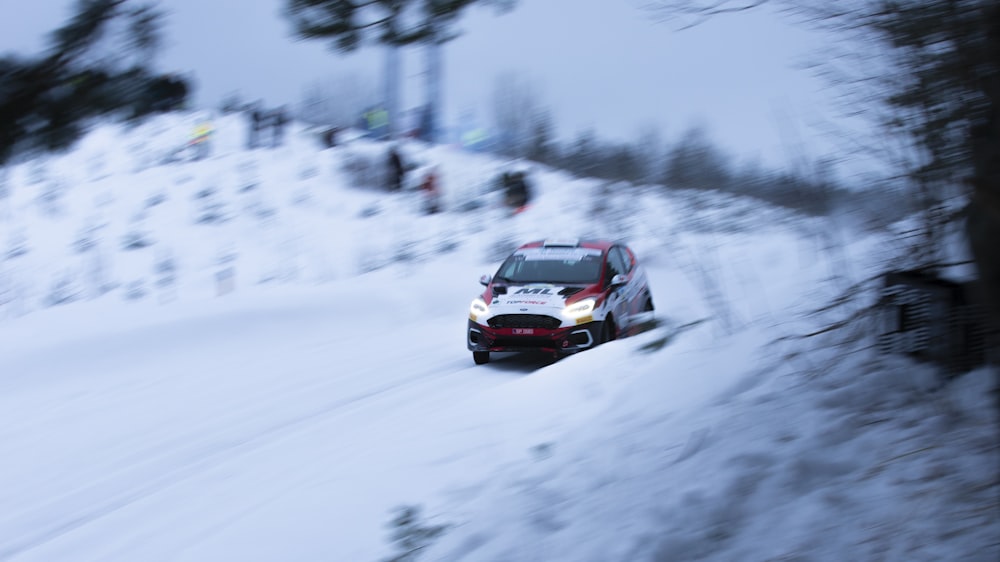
{"x": 558, "y": 297}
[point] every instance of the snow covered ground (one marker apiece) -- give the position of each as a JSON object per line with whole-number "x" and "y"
{"x": 255, "y": 357}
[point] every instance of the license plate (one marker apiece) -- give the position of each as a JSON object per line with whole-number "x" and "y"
{"x": 523, "y": 331}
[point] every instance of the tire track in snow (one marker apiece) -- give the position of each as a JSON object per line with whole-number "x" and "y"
{"x": 177, "y": 474}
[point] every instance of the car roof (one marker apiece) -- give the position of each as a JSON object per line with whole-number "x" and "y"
{"x": 603, "y": 245}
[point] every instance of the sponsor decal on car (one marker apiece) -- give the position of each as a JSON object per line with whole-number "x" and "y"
{"x": 534, "y": 291}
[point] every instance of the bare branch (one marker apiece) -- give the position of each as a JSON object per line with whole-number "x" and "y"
{"x": 684, "y": 11}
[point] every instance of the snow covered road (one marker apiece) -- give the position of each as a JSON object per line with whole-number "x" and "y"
{"x": 110, "y": 425}
{"x": 303, "y": 417}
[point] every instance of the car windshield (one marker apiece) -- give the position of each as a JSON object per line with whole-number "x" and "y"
{"x": 548, "y": 265}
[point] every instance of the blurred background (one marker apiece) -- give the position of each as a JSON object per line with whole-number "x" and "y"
{"x": 813, "y": 185}
{"x": 878, "y": 109}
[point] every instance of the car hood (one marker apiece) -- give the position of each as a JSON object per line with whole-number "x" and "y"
{"x": 534, "y": 296}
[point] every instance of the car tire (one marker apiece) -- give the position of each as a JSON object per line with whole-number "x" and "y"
{"x": 607, "y": 330}
{"x": 481, "y": 357}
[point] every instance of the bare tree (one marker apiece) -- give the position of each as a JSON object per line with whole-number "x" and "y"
{"x": 694, "y": 162}
{"x": 689, "y": 13}
{"x": 932, "y": 82}
{"x": 650, "y": 151}
{"x": 336, "y": 100}
{"x": 517, "y": 108}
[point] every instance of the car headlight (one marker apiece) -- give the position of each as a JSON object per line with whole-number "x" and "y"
{"x": 578, "y": 309}
{"x": 478, "y": 307}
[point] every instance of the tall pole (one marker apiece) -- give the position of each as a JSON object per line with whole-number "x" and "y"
{"x": 435, "y": 76}
{"x": 392, "y": 88}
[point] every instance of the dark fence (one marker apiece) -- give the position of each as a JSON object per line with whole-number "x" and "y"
{"x": 932, "y": 319}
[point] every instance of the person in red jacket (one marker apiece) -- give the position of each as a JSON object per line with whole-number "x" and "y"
{"x": 431, "y": 193}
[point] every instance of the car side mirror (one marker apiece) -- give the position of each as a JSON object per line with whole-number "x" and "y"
{"x": 618, "y": 280}
{"x": 485, "y": 280}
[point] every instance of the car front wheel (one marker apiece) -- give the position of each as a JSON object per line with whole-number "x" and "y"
{"x": 607, "y": 331}
{"x": 481, "y": 357}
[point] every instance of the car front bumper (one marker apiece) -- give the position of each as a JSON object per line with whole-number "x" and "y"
{"x": 563, "y": 340}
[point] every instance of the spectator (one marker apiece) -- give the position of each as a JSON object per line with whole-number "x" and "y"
{"x": 279, "y": 119}
{"x": 431, "y": 193}
{"x": 201, "y": 139}
{"x": 517, "y": 193}
{"x": 330, "y": 137}
{"x": 256, "y": 125}
{"x": 377, "y": 123}
{"x": 397, "y": 171}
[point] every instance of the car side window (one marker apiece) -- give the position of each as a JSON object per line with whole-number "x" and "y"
{"x": 627, "y": 258}
{"x": 612, "y": 267}
{"x": 617, "y": 261}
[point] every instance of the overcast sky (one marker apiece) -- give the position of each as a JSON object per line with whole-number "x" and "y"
{"x": 600, "y": 64}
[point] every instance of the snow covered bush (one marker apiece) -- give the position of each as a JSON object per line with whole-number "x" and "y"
{"x": 410, "y": 534}
{"x": 406, "y": 251}
{"x": 302, "y": 195}
{"x": 17, "y": 244}
{"x": 6, "y": 288}
{"x": 86, "y": 238}
{"x": 308, "y": 168}
{"x": 154, "y": 199}
{"x": 50, "y": 198}
{"x": 371, "y": 210}
{"x": 447, "y": 243}
{"x": 65, "y": 288}
{"x": 165, "y": 269}
{"x": 260, "y": 209}
{"x": 225, "y": 272}
{"x": 365, "y": 170}
{"x": 206, "y": 192}
{"x": 211, "y": 208}
{"x": 137, "y": 236}
{"x": 136, "y": 290}
{"x": 96, "y": 273}
{"x": 248, "y": 175}
{"x": 368, "y": 261}
{"x": 501, "y": 247}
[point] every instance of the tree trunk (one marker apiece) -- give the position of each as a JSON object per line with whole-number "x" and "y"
{"x": 983, "y": 213}
{"x": 392, "y": 69}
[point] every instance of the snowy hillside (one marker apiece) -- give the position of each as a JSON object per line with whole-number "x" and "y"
{"x": 260, "y": 356}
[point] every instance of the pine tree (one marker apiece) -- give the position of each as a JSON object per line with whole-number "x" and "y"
{"x": 46, "y": 100}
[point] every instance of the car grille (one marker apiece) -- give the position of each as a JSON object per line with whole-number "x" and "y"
{"x": 524, "y": 321}
{"x": 524, "y": 342}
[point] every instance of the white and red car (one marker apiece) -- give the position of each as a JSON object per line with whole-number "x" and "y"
{"x": 558, "y": 297}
